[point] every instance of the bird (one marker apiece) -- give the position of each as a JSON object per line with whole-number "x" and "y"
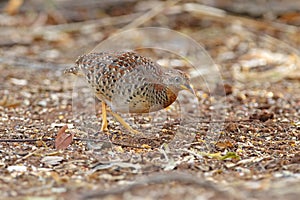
{"x": 127, "y": 82}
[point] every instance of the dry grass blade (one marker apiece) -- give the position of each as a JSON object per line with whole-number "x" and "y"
{"x": 148, "y": 15}
{"x": 222, "y": 16}
{"x": 96, "y": 23}
{"x": 8, "y": 102}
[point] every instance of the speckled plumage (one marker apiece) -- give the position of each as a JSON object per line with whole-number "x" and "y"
{"x": 130, "y": 83}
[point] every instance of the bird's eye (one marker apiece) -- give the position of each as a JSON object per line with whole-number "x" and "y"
{"x": 177, "y": 79}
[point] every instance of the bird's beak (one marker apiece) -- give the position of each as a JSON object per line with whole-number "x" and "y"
{"x": 188, "y": 88}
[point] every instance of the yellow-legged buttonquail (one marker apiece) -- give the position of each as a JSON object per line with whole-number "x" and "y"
{"x": 129, "y": 83}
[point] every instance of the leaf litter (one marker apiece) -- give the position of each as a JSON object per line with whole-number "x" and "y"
{"x": 255, "y": 156}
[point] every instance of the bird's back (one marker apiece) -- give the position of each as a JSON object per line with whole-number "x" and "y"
{"x": 126, "y": 81}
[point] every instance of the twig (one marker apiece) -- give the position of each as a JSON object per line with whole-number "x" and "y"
{"x": 26, "y": 140}
{"x": 109, "y": 21}
{"x": 231, "y": 121}
{"x": 31, "y": 64}
{"x": 28, "y": 155}
{"x": 9, "y": 140}
{"x": 222, "y": 16}
{"x": 149, "y": 15}
{"x": 127, "y": 145}
{"x": 161, "y": 178}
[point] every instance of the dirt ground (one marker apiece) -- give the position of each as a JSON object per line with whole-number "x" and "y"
{"x": 237, "y": 139}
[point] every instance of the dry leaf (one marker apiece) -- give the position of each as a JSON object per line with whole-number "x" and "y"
{"x": 52, "y": 160}
{"x": 231, "y": 155}
{"x": 9, "y": 102}
{"x": 18, "y": 168}
{"x": 224, "y": 144}
{"x": 13, "y": 6}
{"x": 63, "y": 140}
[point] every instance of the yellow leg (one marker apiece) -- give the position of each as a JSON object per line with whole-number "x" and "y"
{"x": 104, "y": 119}
{"x": 121, "y": 120}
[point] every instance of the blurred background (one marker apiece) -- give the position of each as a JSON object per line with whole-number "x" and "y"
{"x": 57, "y": 31}
{"x": 253, "y": 43}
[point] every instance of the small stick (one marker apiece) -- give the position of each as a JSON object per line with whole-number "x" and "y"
{"x": 9, "y": 140}
{"x": 158, "y": 179}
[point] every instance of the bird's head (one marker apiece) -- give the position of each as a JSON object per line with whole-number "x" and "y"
{"x": 177, "y": 80}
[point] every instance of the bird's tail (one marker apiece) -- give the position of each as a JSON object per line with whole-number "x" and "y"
{"x": 72, "y": 70}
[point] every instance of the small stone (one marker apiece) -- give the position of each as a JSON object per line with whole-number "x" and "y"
{"x": 42, "y": 103}
{"x": 21, "y": 82}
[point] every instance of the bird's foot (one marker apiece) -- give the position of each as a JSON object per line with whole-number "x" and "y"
{"x": 127, "y": 126}
{"x": 131, "y": 130}
{"x": 104, "y": 126}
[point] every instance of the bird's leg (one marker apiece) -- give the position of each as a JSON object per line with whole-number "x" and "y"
{"x": 121, "y": 120}
{"x": 104, "y": 119}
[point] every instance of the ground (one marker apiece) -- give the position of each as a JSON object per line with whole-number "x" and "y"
{"x": 238, "y": 138}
